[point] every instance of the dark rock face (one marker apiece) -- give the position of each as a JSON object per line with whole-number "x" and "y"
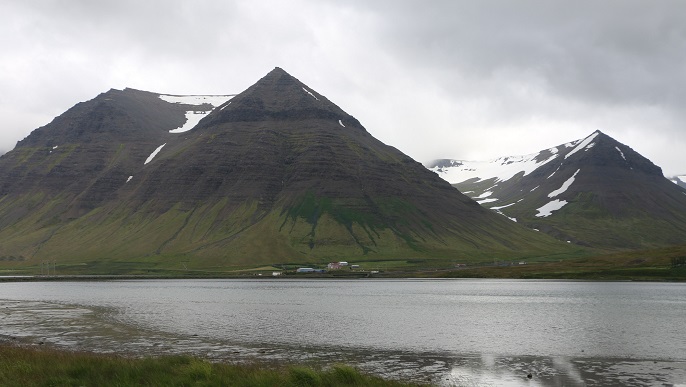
{"x": 88, "y": 151}
{"x": 280, "y": 97}
{"x": 276, "y": 141}
{"x": 277, "y": 171}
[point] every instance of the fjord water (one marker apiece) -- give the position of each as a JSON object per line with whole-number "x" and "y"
{"x": 450, "y": 332}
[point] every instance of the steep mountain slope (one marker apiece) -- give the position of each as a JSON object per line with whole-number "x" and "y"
{"x": 593, "y": 192}
{"x": 277, "y": 173}
{"x": 77, "y": 163}
{"x": 85, "y": 153}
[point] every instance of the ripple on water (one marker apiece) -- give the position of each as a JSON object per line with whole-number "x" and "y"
{"x": 110, "y": 328}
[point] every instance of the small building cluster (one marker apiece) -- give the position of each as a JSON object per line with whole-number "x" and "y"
{"x": 331, "y": 266}
{"x": 337, "y": 265}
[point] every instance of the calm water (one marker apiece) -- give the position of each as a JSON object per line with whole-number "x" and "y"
{"x": 449, "y": 332}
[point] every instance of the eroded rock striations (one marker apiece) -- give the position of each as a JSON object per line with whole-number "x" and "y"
{"x": 277, "y": 173}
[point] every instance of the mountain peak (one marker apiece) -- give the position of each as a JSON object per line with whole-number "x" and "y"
{"x": 599, "y": 149}
{"x": 280, "y": 96}
{"x": 278, "y": 71}
{"x": 601, "y": 136}
{"x": 278, "y": 80}
{"x": 276, "y": 174}
{"x": 564, "y": 190}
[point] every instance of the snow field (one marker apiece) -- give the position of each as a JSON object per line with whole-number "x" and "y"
{"x": 214, "y": 100}
{"x": 585, "y": 143}
{"x": 548, "y": 209}
{"x": 194, "y": 116}
{"x": 502, "y": 169}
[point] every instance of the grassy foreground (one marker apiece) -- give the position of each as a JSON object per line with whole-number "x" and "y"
{"x": 21, "y": 366}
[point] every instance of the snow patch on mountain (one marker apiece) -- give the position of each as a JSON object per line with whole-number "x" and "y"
{"x": 214, "y": 100}
{"x": 586, "y": 143}
{"x": 502, "y": 168}
{"x": 192, "y": 119}
{"x": 679, "y": 180}
{"x": 310, "y": 93}
{"x": 508, "y": 217}
{"x": 620, "y": 152}
{"x": 129, "y": 179}
{"x": 341, "y": 123}
{"x": 565, "y": 185}
{"x": 194, "y": 116}
{"x": 484, "y": 197}
{"x": 548, "y": 209}
{"x": 154, "y": 153}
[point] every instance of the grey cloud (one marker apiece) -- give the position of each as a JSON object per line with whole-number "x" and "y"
{"x": 445, "y": 78}
{"x": 613, "y": 63}
{"x": 610, "y": 51}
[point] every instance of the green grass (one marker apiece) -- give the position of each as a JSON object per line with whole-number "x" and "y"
{"x": 642, "y": 265}
{"x": 363, "y": 226}
{"x": 45, "y": 367}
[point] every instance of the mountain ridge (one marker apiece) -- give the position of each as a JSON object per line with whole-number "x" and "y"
{"x": 275, "y": 173}
{"x": 593, "y": 191}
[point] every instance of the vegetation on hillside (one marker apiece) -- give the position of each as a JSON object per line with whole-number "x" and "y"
{"x": 665, "y": 264}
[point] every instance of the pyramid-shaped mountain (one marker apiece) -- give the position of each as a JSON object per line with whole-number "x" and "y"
{"x": 277, "y": 173}
{"x": 594, "y": 192}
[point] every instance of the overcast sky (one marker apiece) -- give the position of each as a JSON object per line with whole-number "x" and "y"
{"x": 436, "y": 79}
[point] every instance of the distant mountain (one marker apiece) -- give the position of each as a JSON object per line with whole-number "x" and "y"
{"x": 593, "y": 192}
{"x": 277, "y": 173}
{"x": 679, "y": 180}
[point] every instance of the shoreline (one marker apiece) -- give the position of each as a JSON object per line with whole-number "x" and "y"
{"x": 105, "y": 278}
{"x": 76, "y": 327}
{"x": 45, "y": 365}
